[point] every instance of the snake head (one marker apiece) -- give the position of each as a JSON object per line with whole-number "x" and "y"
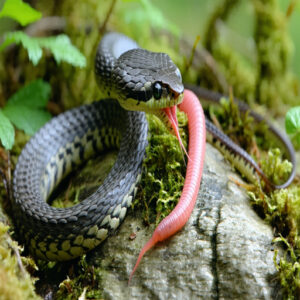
{"x": 151, "y": 82}
{"x": 147, "y": 81}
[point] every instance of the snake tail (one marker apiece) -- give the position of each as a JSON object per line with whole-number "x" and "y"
{"x": 181, "y": 213}
{"x": 234, "y": 153}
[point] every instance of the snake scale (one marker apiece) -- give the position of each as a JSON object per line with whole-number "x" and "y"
{"x": 141, "y": 81}
{"x": 74, "y": 136}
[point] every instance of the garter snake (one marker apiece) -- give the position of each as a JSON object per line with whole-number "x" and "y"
{"x": 141, "y": 81}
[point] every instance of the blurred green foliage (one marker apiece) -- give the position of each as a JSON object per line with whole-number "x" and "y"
{"x": 191, "y": 17}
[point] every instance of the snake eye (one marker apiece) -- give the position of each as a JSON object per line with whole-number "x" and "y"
{"x": 157, "y": 90}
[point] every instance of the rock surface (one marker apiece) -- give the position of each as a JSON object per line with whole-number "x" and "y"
{"x": 224, "y": 252}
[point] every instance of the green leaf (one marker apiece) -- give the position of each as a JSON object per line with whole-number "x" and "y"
{"x": 20, "y": 11}
{"x": 26, "y": 118}
{"x": 292, "y": 120}
{"x": 7, "y": 132}
{"x": 25, "y": 108}
{"x": 60, "y": 46}
{"x": 34, "y": 95}
{"x": 29, "y": 43}
{"x": 63, "y": 50}
{"x": 292, "y": 124}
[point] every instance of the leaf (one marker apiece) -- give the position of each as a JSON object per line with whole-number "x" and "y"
{"x": 25, "y": 108}
{"x": 26, "y": 118}
{"x": 292, "y": 120}
{"x": 20, "y": 11}
{"x": 7, "y": 132}
{"x": 34, "y": 95}
{"x": 29, "y": 43}
{"x": 60, "y": 46}
{"x": 63, "y": 50}
{"x": 292, "y": 124}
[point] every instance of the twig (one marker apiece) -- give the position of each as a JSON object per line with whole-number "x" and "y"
{"x": 108, "y": 15}
{"x": 8, "y": 176}
{"x": 19, "y": 260}
{"x": 5, "y": 173}
{"x": 190, "y": 60}
{"x": 291, "y": 8}
{"x": 53, "y": 23}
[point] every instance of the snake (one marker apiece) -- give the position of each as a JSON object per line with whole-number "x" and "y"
{"x": 133, "y": 81}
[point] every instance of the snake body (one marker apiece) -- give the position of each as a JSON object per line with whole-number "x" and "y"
{"x": 122, "y": 72}
{"x": 67, "y": 140}
{"x": 142, "y": 81}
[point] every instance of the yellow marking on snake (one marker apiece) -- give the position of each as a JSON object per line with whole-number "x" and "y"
{"x": 93, "y": 230}
{"x": 52, "y": 256}
{"x": 78, "y": 240}
{"x": 102, "y": 234}
{"x": 114, "y": 223}
{"x": 53, "y": 247}
{"x": 65, "y": 245}
{"x": 105, "y": 221}
{"x": 90, "y": 243}
{"x": 76, "y": 251}
{"x": 123, "y": 213}
{"x": 64, "y": 255}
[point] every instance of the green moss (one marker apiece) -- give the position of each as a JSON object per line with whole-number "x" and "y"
{"x": 269, "y": 80}
{"x": 289, "y": 272}
{"x": 275, "y": 82}
{"x": 15, "y": 283}
{"x": 86, "y": 283}
{"x": 276, "y": 169}
{"x": 164, "y": 171}
{"x": 281, "y": 208}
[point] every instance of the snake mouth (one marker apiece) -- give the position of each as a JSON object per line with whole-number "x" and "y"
{"x": 153, "y": 106}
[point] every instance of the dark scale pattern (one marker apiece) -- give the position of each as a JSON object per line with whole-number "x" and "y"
{"x": 61, "y": 234}
{"x": 137, "y": 67}
{"x": 32, "y": 212}
{"x": 121, "y": 63}
{"x": 109, "y": 49}
{"x": 247, "y": 164}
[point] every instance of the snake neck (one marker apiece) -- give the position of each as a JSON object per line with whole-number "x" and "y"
{"x": 110, "y": 48}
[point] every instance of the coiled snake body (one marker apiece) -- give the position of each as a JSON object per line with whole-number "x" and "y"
{"x": 142, "y": 81}
{"x": 70, "y": 138}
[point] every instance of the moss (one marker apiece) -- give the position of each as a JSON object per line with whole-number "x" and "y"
{"x": 276, "y": 169}
{"x": 276, "y": 84}
{"x": 14, "y": 283}
{"x": 164, "y": 171}
{"x": 85, "y": 283}
{"x": 281, "y": 208}
{"x": 221, "y": 11}
{"x": 289, "y": 272}
{"x": 233, "y": 66}
{"x": 269, "y": 80}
